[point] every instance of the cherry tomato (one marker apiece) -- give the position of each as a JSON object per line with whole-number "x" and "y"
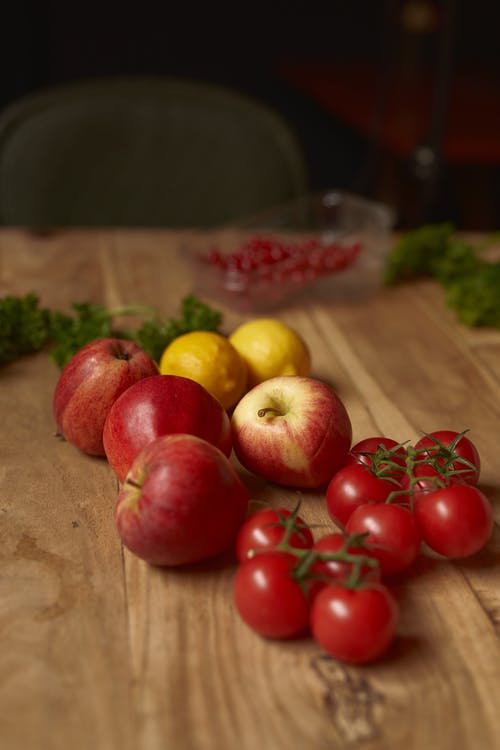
{"x": 464, "y": 448}
{"x": 265, "y": 529}
{"x": 455, "y": 521}
{"x": 354, "y": 625}
{"x": 339, "y": 570}
{"x": 354, "y": 485}
{"x": 358, "y": 452}
{"x": 268, "y": 598}
{"x": 392, "y": 532}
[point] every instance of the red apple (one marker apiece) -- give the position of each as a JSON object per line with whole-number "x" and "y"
{"x": 292, "y": 430}
{"x": 162, "y": 405}
{"x": 182, "y": 501}
{"x": 90, "y": 383}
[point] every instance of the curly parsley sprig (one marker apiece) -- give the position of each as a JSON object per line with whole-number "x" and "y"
{"x": 25, "y": 327}
{"x": 471, "y": 283}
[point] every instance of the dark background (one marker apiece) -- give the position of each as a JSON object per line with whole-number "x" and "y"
{"x": 244, "y": 45}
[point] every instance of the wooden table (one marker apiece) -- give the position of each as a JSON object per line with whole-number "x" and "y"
{"x": 101, "y": 651}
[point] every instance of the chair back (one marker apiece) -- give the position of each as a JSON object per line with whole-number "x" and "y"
{"x": 143, "y": 152}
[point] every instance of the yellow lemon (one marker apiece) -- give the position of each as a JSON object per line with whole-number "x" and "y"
{"x": 211, "y": 360}
{"x": 270, "y": 348}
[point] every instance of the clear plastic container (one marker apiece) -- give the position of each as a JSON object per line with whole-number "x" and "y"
{"x": 334, "y": 241}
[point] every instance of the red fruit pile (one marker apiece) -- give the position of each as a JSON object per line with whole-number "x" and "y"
{"x": 388, "y": 499}
{"x": 167, "y": 439}
{"x": 182, "y": 501}
{"x": 269, "y": 260}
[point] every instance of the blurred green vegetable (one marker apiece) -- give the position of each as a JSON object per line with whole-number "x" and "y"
{"x": 476, "y": 297}
{"x": 25, "y": 327}
{"x": 418, "y": 252}
{"x": 471, "y": 283}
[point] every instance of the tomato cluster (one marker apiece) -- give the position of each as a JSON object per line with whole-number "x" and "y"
{"x": 401, "y": 495}
{"x": 386, "y": 501}
{"x": 288, "y": 583}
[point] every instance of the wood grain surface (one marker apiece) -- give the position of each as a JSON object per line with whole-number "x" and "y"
{"x": 100, "y": 651}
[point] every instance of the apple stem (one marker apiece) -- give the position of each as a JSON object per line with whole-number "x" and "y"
{"x": 265, "y": 412}
{"x": 132, "y": 483}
